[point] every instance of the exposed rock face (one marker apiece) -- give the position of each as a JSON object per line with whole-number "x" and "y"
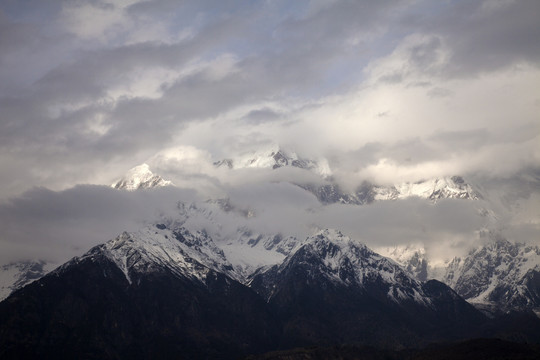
{"x": 502, "y": 274}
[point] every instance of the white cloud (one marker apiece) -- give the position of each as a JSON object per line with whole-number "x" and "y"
{"x": 143, "y": 82}
{"x": 94, "y": 20}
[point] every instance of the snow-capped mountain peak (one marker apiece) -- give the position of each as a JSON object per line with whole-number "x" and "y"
{"x": 338, "y": 259}
{"x": 501, "y": 274}
{"x": 140, "y": 177}
{"x": 156, "y": 248}
{"x": 411, "y": 257}
{"x": 276, "y": 157}
{"x": 434, "y": 189}
{"x": 453, "y": 187}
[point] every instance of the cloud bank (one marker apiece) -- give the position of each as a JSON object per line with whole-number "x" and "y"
{"x": 391, "y": 89}
{"x": 385, "y": 91}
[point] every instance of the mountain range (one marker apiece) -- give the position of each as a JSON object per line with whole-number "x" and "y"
{"x": 171, "y": 293}
{"x": 184, "y": 287}
{"x": 501, "y": 275}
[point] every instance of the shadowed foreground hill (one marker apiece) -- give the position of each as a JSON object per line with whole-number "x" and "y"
{"x": 478, "y": 349}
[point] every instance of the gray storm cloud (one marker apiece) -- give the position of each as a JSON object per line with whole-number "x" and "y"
{"x": 90, "y": 89}
{"x": 386, "y": 91}
{"x": 56, "y": 226}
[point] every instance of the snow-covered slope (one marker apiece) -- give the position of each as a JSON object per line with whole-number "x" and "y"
{"x": 435, "y": 189}
{"x": 155, "y": 248}
{"x": 340, "y": 260}
{"x": 502, "y": 274}
{"x": 192, "y": 254}
{"x": 229, "y": 226}
{"x": 497, "y": 276}
{"x": 335, "y": 285}
{"x": 249, "y": 250}
{"x": 245, "y": 249}
{"x": 453, "y": 187}
{"x": 194, "y": 243}
{"x": 411, "y": 257}
{"x": 16, "y": 275}
{"x": 169, "y": 291}
{"x": 275, "y": 157}
{"x": 140, "y": 177}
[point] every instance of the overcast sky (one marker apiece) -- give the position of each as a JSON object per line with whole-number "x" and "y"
{"x": 386, "y": 90}
{"x": 89, "y": 89}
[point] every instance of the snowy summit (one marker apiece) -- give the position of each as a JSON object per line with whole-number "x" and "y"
{"x": 140, "y": 177}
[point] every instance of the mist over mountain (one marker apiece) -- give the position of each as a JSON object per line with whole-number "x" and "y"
{"x": 427, "y": 226}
